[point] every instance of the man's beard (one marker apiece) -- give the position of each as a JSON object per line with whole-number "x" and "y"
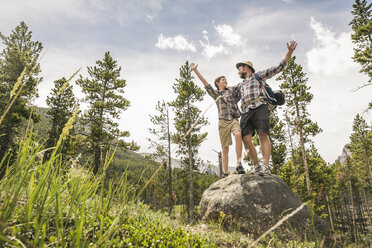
{"x": 243, "y": 75}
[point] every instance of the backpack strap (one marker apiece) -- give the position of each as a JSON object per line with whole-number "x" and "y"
{"x": 257, "y": 78}
{"x": 264, "y": 88}
{"x": 258, "y": 99}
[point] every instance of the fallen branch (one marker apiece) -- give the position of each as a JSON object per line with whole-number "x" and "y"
{"x": 279, "y": 223}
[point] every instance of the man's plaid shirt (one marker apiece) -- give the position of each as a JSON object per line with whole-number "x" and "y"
{"x": 250, "y": 88}
{"x": 227, "y": 104}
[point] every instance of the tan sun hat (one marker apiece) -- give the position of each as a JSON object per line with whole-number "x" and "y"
{"x": 248, "y": 63}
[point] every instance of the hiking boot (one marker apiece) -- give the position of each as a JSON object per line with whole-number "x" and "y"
{"x": 256, "y": 169}
{"x": 265, "y": 170}
{"x": 240, "y": 169}
{"x": 225, "y": 175}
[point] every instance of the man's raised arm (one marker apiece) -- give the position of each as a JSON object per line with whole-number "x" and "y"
{"x": 291, "y": 47}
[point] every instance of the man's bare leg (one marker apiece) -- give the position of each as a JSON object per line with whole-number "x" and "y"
{"x": 265, "y": 147}
{"x": 248, "y": 144}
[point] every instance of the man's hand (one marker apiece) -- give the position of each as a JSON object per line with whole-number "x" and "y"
{"x": 291, "y": 45}
{"x": 193, "y": 66}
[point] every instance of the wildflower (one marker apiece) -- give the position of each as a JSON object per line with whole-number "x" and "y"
{"x": 222, "y": 214}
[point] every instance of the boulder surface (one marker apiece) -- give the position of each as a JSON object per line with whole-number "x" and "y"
{"x": 253, "y": 204}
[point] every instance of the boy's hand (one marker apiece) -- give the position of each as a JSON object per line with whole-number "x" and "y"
{"x": 193, "y": 66}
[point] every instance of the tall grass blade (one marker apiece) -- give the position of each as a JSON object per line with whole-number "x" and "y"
{"x": 65, "y": 85}
{"x": 18, "y": 82}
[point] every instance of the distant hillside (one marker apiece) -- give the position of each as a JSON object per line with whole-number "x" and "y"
{"x": 42, "y": 128}
{"x": 123, "y": 158}
{"x": 176, "y": 163}
{"x": 203, "y": 167}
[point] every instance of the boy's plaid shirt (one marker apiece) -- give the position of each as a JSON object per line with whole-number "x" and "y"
{"x": 227, "y": 104}
{"x": 250, "y": 88}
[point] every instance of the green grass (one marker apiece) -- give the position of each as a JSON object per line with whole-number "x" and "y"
{"x": 48, "y": 204}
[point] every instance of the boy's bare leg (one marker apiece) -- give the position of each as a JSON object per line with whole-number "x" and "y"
{"x": 265, "y": 147}
{"x": 238, "y": 146}
{"x": 225, "y": 159}
{"x": 248, "y": 144}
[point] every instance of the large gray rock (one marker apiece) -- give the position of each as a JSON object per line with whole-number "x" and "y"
{"x": 255, "y": 203}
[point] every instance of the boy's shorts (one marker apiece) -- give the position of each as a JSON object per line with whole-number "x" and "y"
{"x": 225, "y": 129}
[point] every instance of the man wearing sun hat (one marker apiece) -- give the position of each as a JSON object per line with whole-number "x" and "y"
{"x": 255, "y": 112}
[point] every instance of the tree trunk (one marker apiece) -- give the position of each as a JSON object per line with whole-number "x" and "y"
{"x": 339, "y": 217}
{"x": 302, "y": 143}
{"x": 330, "y": 218}
{"x": 97, "y": 159}
{"x": 352, "y": 203}
{"x": 307, "y": 175}
{"x": 292, "y": 149}
{"x": 191, "y": 186}
{"x": 169, "y": 167}
{"x": 367, "y": 205}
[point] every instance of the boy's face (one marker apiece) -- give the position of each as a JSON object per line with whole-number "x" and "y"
{"x": 222, "y": 84}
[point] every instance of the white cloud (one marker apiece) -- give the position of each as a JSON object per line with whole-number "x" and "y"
{"x": 288, "y": 1}
{"x": 211, "y": 51}
{"x": 178, "y": 43}
{"x": 331, "y": 54}
{"x": 227, "y": 34}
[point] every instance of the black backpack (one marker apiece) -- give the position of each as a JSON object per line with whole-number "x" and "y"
{"x": 276, "y": 98}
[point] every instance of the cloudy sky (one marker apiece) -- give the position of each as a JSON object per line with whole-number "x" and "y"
{"x": 151, "y": 39}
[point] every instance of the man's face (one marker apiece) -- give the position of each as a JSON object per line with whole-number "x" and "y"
{"x": 244, "y": 71}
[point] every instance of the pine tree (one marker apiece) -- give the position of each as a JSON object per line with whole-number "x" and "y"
{"x": 321, "y": 179}
{"x": 163, "y": 143}
{"x": 298, "y": 98}
{"x": 20, "y": 56}
{"x": 361, "y": 149}
{"x": 62, "y": 104}
{"x": 278, "y": 142}
{"x": 362, "y": 35}
{"x": 186, "y": 113}
{"x": 104, "y": 94}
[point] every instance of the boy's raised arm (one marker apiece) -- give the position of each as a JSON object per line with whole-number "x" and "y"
{"x": 195, "y": 69}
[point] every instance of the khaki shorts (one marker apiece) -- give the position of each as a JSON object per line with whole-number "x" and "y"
{"x": 226, "y": 128}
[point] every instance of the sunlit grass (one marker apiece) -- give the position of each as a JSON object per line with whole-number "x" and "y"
{"x": 50, "y": 204}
